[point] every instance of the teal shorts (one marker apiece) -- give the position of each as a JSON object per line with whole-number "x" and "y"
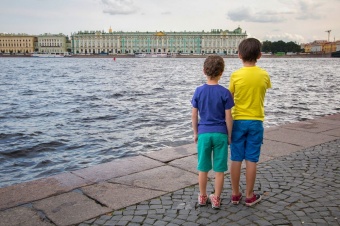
{"x": 212, "y": 151}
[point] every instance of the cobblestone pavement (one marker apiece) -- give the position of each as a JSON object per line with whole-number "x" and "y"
{"x": 299, "y": 189}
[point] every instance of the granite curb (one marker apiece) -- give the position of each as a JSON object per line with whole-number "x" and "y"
{"x": 298, "y": 176}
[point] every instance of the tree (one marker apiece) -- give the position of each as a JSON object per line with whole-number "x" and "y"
{"x": 280, "y": 46}
{"x": 266, "y": 46}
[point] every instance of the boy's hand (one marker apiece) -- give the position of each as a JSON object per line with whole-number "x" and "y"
{"x": 229, "y": 140}
{"x": 195, "y": 139}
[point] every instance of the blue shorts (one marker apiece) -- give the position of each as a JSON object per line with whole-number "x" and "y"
{"x": 246, "y": 140}
{"x": 212, "y": 152}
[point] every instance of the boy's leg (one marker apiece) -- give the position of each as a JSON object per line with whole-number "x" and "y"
{"x": 204, "y": 149}
{"x": 237, "y": 154}
{"x": 219, "y": 181}
{"x": 253, "y": 150}
{"x": 220, "y": 159}
{"x": 250, "y": 178}
{"x": 235, "y": 173}
{"x": 202, "y": 181}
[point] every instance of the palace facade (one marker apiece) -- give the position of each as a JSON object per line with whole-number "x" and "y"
{"x": 216, "y": 41}
{"x": 17, "y": 43}
{"x": 52, "y": 43}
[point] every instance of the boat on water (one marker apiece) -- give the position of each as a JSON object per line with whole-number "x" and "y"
{"x": 50, "y": 55}
{"x": 140, "y": 55}
{"x": 151, "y": 55}
{"x": 161, "y": 55}
{"x": 171, "y": 55}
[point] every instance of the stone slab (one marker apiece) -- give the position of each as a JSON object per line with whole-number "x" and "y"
{"x": 328, "y": 121}
{"x": 332, "y": 117}
{"x": 164, "y": 178}
{"x": 38, "y": 189}
{"x": 300, "y": 138}
{"x": 277, "y": 149}
{"x": 70, "y": 208}
{"x": 22, "y": 216}
{"x": 117, "y": 196}
{"x": 187, "y": 163}
{"x": 334, "y": 132}
{"x": 312, "y": 126}
{"x": 117, "y": 168}
{"x": 169, "y": 154}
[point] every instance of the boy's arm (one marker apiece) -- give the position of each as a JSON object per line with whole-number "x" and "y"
{"x": 229, "y": 121}
{"x": 194, "y": 121}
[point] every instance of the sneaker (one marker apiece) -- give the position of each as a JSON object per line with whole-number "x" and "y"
{"x": 252, "y": 201}
{"x": 235, "y": 199}
{"x": 215, "y": 201}
{"x": 202, "y": 200}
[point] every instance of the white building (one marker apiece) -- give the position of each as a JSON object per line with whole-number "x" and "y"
{"x": 52, "y": 43}
{"x": 338, "y": 45}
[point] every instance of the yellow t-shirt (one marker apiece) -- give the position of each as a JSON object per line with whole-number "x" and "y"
{"x": 248, "y": 86}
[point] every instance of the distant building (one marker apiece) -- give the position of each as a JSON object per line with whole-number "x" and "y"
{"x": 52, "y": 43}
{"x": 99, "y": 42}
{"x": 319, "y": 46}
{"x": 337, "y": 43}
{"x": 307, "y": 47}
{"x": 17, "y": 43}
{"x": 329, "y": 47}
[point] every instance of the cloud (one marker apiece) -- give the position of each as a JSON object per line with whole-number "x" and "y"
{"x": 245, "y": 14}
{"x": 166, "y": 13}
{"x": 308, "y": 10}
{"x": 119, "y": 7}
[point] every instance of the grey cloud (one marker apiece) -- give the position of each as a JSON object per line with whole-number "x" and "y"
{"x": 245, "y": 14}
{"x": 308, "y": 10}
{"x": 119, "y": 7}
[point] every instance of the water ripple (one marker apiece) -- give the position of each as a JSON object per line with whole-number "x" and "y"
{"x": 60, "y": 115}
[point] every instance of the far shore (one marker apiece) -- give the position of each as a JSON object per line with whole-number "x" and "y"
{"x": 326, "y": 55}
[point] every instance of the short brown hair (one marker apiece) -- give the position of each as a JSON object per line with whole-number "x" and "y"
{"x": 249, "y": 49}
{"x": 213, "y": 66}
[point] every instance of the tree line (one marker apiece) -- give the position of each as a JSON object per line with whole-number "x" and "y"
{"x": 280, "y": 46}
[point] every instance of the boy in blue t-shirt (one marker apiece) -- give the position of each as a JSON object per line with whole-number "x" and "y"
{"x": 212, "y": 132}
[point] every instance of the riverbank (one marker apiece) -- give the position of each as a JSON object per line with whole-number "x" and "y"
{"x": 182, "y": 56}
{"x": 298, "y": 176}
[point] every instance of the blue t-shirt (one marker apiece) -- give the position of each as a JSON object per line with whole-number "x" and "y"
{"x": 211, "y": 102}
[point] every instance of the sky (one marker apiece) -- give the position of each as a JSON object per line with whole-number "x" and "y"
{"x": 300, "y": 21}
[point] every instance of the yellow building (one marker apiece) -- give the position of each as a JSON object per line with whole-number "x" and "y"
{"x": 17, "y": 43}
{"x": 329, "y": 47}
{"x": 307, "y": 47}
{"x": 319, "y": 46}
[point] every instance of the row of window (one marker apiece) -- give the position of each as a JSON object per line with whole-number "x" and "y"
{"x": 177, "y": 37}
{"x": 51, "y": 44}
{"x": 140, "y": 46}
{"x": 131, "y": 51}
{"x": 15, "y": 45}
{"x": 15, "y": 40}
{"x": 152, "y": 42}
{"x": 52, "y": 40}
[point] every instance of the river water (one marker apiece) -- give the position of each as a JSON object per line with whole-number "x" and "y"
{"x": 59, "y": 115}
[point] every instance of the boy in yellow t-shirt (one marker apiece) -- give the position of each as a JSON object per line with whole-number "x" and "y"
{"x": 248, "y": 86}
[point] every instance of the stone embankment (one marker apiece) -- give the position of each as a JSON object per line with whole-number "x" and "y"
{"x": 298, "y": 176}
